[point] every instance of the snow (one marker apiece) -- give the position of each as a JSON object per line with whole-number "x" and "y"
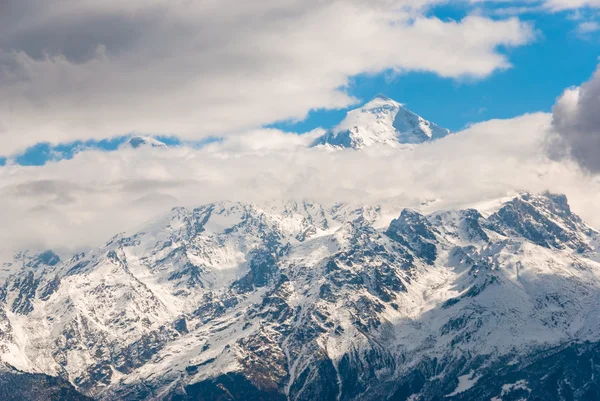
{"x": 465, "y": 382}
{"x": 382, "y": 122}
{"x": 134, "y": 285}
{"x": 507, "y": 388}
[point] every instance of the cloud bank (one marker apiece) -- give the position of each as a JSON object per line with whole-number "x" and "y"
{"x": 78, "y": 70}
{"x": 79, "y": 203}
{"x": 75, "y": 70}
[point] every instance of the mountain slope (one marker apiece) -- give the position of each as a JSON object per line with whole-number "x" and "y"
{"x": 382, "y": 121}
{"x": 303, "y": 301}
{"x": 18, "y": 386}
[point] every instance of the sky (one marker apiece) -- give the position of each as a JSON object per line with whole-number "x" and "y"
{"x": 560, "y": 56}
{"x": 239, "y": 95}
{"x": 561, "y": 50}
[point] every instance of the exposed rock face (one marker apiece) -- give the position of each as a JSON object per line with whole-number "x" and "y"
{"x": 300, "y": 301}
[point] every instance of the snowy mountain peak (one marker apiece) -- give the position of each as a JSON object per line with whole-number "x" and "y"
{"x": 382, "y": 97}
{"x": 145, "y": 141}
{"x": 380, "y": 101}
{"x": 300, "y": 301}
{"x": 382, "y": 121}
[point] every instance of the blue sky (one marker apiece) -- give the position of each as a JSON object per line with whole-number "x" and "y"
{"x": 559, "y": 57}
{"x": 41, "y": 153}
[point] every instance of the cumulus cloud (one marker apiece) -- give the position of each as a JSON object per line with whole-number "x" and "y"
{"x": 587, "y": 27}
{"x": 576, "y": 121}
{"x": 521, "y": 7}
{"x": 86, "y": 69}
{"x": 559, "y": 5}
{"x": 74, "y": 204}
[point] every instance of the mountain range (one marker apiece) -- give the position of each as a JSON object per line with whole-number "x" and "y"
{"x": 303, "y": 301}
{"x": 296, "y": 300}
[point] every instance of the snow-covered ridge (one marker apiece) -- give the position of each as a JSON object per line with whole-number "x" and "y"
{"x": 382, "y": 121}
{"x": 303, "y": 301}
{"x": 143, "y": 142}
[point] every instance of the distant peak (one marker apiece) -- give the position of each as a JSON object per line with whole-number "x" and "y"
{"x": 143, "y": 141}
{"x": 381, "y": 121}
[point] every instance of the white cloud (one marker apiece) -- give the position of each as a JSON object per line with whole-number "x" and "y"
{"x": 262, "y": 141}
{"x": 587, "y": 27}
{"x": 560, "y": 5}
{"x": 87, "y": 69}
{"x": 520, "y": 7}
{"x": 74, "y": 204}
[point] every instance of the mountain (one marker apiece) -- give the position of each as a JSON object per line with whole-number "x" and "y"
{"x": 302, "y": 301}
{"x": 145, "y": 141}
{"x": 382, "y": 121}
{"x": 18, "y": 386}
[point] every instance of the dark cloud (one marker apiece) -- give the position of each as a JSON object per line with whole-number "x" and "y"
{"x": 78, "y": 39}
{"x": 576, "y": 122}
